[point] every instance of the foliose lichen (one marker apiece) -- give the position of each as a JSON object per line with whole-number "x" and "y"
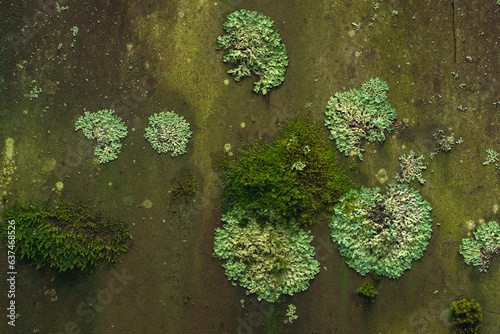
{"x": 106, "y": 130}
{"x": 168, "y": 132}
{"x": 254, "y": 46}
{"x": 379, "y": 233}
{"x": 491, "y": 158}
{"x": 479, "y": 250}
{"x": 359, "y": 114}
{"x": 291, "y": 316}
{"x": 368, "y": 291}
{"x": 266, "y": 259}
{"x": 444, "y": 143}
{"x": 411, "y": 168}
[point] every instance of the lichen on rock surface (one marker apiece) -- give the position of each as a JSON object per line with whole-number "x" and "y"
{"x": 266, "y": 259}
{"x": 168, "y": 132}
{"x": 106, "y": 129}
{"x": 254, "y": 45}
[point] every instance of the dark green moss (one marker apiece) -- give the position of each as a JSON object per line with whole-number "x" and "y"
{"x": 64, "y": 235}
{"x": 293, "y": 178}
{"x": 467, "y": 316}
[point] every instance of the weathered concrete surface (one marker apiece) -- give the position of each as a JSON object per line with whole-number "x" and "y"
{"x": 150, "y": 56}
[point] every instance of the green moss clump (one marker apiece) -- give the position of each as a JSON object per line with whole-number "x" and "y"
{"x": 359, "y": 114}
{"x": 368, "y": 291}
{"x": 290, "y": 314}
{"x": 269, "y": 178}
{"x": 382, "y": 233}
{"x": 168, "y": 132}
{"x": 266, "y": 259}
{"x": 106, "y": 130}
{"x": 254, "y": 46}
{"x": 65, "y": 236}
{"x": 183, "y": 193}
{"x": 467, "y": 316}
{"x": 485, "y": 244}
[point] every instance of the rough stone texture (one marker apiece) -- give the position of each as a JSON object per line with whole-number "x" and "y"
{"x": 142, "y": 57}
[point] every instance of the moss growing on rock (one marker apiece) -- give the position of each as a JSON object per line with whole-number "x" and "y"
{"x": 168, "y": 132}
{"x": 64, "y": 236}
{"x": 467, "y": 316}
{"x": 359, "y": 114}
{"x": 485, "y": 244}
{"x": 368, "y": 291}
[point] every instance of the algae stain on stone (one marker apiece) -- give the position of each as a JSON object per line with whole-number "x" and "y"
{"x": 8, "y": 166}
{"x": 196, "y": 63}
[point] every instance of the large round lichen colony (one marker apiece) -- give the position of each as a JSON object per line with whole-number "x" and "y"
{"x": 269, "y": 260}
{"x": 168, "y": 132}
{"x": 106, "y": 129}
{"x": 382, "y": 233}
{"x": 254, "y": 46}
{"x": 485, "y": 244}
{"x": 359, "y": 114}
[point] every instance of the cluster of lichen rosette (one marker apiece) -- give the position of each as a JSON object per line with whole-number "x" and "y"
{"x": 359, "y": 114}
{"x": 254, "y": 46}
{"x": 267, "y": 259}
{"x": 382, "y": 233}
{"x": 479, "y": 250}
{"x": 168, "y": 132}
{"x": 106, "y": 129}
{"x": 411, "y": 168}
